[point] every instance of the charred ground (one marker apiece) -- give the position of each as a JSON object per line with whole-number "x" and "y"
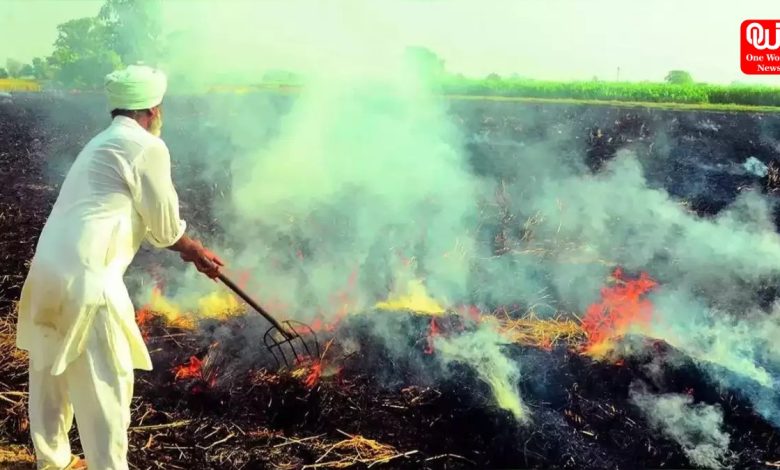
{"x": 252, "y": 419}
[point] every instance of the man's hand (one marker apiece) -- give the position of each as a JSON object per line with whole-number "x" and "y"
{"x": 193, "y": 251}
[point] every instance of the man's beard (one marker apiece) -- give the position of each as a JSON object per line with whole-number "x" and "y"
{"x": 155, "y": 128}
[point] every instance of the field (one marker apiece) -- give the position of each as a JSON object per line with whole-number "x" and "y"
{"x": 220, "y": 405}
{"x": 692, "y": 96}
{"x": 618, "y": 91}
{"x": 18, "y": 84}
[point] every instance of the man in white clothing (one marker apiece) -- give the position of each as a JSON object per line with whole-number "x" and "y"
{"x": 76, "y": 318}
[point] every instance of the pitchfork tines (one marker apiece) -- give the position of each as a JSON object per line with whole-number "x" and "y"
{"x": 288, "y": 347}
{"x": 283, "y": 339}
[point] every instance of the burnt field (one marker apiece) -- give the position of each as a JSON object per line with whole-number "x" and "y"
{"x": 212, "y": 404}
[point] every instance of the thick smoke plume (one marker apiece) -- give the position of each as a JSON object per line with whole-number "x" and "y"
{"x": 361, "y": 190}
{"x": 697, "y": 428}
{"x": 481, "y": 350}
{"x": 359, "y": 185}
{"x": 341, "y": 195}
{"x": 711, "y": 270}
{"x": 364, "y": 175}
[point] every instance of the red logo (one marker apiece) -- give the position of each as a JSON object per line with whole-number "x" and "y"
{"x": 760, "y": 52}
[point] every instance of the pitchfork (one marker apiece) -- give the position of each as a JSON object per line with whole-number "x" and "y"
{"x": 282, "y": 336}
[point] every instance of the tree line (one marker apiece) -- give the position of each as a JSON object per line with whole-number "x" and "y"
{"x": 86, "y": 49}
{"x": 130, "y": 31}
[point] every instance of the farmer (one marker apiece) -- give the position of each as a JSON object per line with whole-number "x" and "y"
{"x": 75, "y": 315}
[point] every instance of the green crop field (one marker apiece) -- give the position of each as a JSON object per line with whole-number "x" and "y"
{"x": 661, "y": 95}
{"x": 694, "y": 94}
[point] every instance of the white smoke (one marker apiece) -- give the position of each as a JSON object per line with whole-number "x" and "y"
{"x": 366, "y": 169}
{"x": 697, "y": 428}
{"x": 481, "y": 350}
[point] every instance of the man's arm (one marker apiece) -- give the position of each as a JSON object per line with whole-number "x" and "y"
{"x": 157, "y": 202}
{"x": 192, "y": 250}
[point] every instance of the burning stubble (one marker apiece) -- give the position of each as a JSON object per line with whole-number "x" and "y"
{"x": 363, "y": 197}
{"x": 364, "y": 175}
{"x": 709, "y": 270}
{"x": 333, "y": 193}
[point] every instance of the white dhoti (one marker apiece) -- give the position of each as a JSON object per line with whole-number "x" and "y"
{"x": 94, "y": 389}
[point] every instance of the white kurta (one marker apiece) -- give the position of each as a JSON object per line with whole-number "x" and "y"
{"x": 118, "y": 192}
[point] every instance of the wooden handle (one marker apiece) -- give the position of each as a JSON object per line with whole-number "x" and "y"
{"x": 232, "y": 285}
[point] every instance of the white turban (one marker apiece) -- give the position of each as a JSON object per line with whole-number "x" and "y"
{"x": 136, "y": 87}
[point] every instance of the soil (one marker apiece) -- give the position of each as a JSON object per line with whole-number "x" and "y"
{"x": 583, "y": 417}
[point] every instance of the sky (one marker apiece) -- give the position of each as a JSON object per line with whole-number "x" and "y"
{"x": 545, "y": 39}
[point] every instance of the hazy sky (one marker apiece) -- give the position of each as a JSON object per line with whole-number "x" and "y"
{"x": 554, "y": 39}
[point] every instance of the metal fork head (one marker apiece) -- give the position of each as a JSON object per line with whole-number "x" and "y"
{"x": 289, "y": 348}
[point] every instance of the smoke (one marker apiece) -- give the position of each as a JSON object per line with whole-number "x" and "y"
{"x": 741, "y": 345}
{"x": 359, "y": 188}
{"x": 339, "y": 196}
{"x": 481, "y": 350}
{"x": 616, "y": 217}
{"x": 338, "y": 188}
{"x": 365, "y": 173}
{"x": 697, "y": 428}
{"x": 711, "y": 270}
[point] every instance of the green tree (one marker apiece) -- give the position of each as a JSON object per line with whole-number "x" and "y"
{"x": 135, "y": 29}
{"x": 13, "y": 66}
{"x": 3, "y": 73}
{"x": 41, "y": 69}
{"x": 81, "y": 56}
{"x": 679, "y": 77}
{"x": 26, "y": 71}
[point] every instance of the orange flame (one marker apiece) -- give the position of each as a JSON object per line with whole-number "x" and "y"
{"x": 190, "y": 370}
{"x": 341, "y": 304}
{"x": 143, "y": 318}
{"x": 622, "y": 306}
{"x": 144, "y": 315}
{"x": 220, "y": 304}
{"x": 433, "y": 331}
{"x": 314, "y": 375}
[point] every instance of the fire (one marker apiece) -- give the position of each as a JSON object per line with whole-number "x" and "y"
{"x": 219, "y": 305}
{"x": 318, "y": 324}
{"x": 170, "y": 312}
{"x": 201, "y": 370}
{"x": 340, "y": 304}
{"x": 190, "y": 370}
{"x": 314, "y": 375}
{"x": 622, "y": 306}
{"x": 216, "y": 305}
{"x": 433, "y": 331}
{"x": 343, "y": 301}
{"x": 414, "y": 298}
{"x": 142, "y": 317}
{"x": 312, "y": 371}
{"x": 309, "y": 373}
